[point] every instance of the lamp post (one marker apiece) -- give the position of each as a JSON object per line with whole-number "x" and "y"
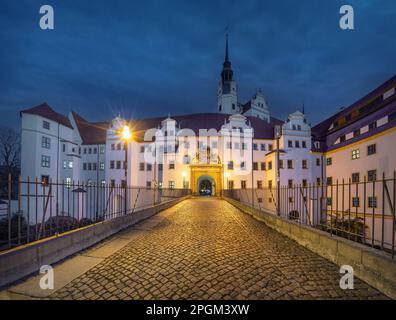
{"x": 277, "y": 135}
{"x": 126, "y": 136}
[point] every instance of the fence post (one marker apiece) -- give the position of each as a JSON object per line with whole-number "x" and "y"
{"x": 9, "y": 209}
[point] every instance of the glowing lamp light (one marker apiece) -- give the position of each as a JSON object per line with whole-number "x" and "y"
{"x": 126, "y": 133}
{"x": 184, "y": 174}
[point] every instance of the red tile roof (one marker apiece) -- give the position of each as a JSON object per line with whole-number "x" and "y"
{"x": 45, "y": 111}
{"x": 91, "y": 132}
{"x": 195, "y": 122}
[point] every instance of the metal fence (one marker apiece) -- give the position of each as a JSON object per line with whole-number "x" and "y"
{"x": 33, "y": 210}
{"x": 361, "y": 211}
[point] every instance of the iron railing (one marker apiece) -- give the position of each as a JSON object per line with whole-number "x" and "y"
{"x": 33, "y": 210}
{"x": 361, "y": 211}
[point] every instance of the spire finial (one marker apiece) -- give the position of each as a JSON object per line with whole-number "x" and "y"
{"x": 226, "y": 49}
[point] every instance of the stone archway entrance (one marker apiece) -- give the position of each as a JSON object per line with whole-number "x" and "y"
{"x": 208, "y": 176}
{"x": 206, "y": 186}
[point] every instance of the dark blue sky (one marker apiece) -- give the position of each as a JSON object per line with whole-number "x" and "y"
{"x": 148, "y": 58}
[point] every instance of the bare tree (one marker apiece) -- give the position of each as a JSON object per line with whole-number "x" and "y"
{"x": 10, "y": 148}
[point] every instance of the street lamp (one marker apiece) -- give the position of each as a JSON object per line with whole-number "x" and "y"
{"x": 126, "y": 136}
{"x": 277, "y": 136}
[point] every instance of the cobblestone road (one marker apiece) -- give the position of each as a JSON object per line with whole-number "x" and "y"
{"x": 207, "y": 249}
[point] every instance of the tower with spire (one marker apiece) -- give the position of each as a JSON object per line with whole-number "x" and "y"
{"x": 227, "y": 96}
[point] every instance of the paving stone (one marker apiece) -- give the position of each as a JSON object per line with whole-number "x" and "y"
{"x": 207, "y": 249}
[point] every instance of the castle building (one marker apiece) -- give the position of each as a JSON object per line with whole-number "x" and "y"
{"x": 237, "y": 147}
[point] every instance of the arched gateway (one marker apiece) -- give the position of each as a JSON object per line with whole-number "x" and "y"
{"x": 206, "y": 177}
{"x": 206, "y": 174}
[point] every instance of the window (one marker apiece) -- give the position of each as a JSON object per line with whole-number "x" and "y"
{"x": 112, "y": 183}
{"x": 281, "y": 166}
{"x": 355, "y": 177}
{"x": 64, "y": 164}
{"x": 63, "y": 147}
{"x": 355, "y": 154}
{"x": 304, "y": 144}
{"x": 102, "y": 166}
{"x": 356, "y": 133}
{"x": 244, "y": 146}
{"x": 329, "y": 161}
{"x": 46, "y": 125}
{"x": 149, "y": 167}
{"x": 290, "y": 164}
{"x": 89, "y": 166}
{"x": 95, "y": 150}
{"x": 243, "y": 165}
{"x": 255, "y": 166}
{"x": 305, "y": 164}
{"x": 304, "y": 183}
{"x": 119, "y": 146}
{"x": 112, "y": 164}
{"x": 141, "y": 166}
{"x": 46, "y": 142}
{"x": 372, "y": 126}
{"x": 262, "y": 166}
{"x": 229, "y": 145}
{"x": 230, "y": 184}
{"x": 171, "y": 184}
{"x": 230, "y": 165}
{"x": 160, "y": 167}
{"x": 243, "y": 184}
{"x": 45, "y": 161}
{"x": 84, "y": 166}
{"x": 259, "y": 184}
{"x": 70, "y": 164}
{"x": 270, "y": 147}
{"x": 118, "y": 164}
{"x": 68, "y": 182}
{"x": 101, "y": 149}
{"x": 372, "y": 175}
{"x": 44, "y": 180}
{"x": 329, "y": 181}
{"x": 329, "y": 201}
{"x": 298, "y": 127}
{"x": 290, "y": 144}
{"x": 171, "y": 165}
{"x": 372, "y": 202}
{"x": 297, "y": 144}
{"x": 355, "y": 202}
{"x": 262, "y": 147}
{"x": 371, "y": 149}
{"x": 318, "y": 181}
{"x": 290, "y": 183}
{"x": 141, "y": 149}
{"x": 89, "y": 150}
{"x": 270, "y": 184}
{"x": 318, "y": 162}
{"x": 343, "y": 138}
{"x": 112, "y": 147}
{"x": 102, "y": 183}
{"x": 186, "y": 159}
{"x": 294, "y": 127}
{"x": 85, "y": 150}
{"x": 270, "y": 165}
{"x": 94, "y": 166}
{"x": 255, "y": 146}
{"x": 148, "y": 184}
